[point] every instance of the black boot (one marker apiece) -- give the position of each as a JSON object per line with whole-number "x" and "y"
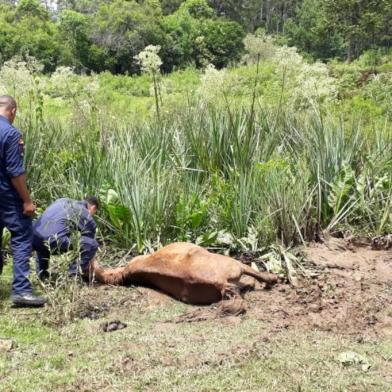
{"x": 43, "y": 275}
{"x": 28, "y": 299}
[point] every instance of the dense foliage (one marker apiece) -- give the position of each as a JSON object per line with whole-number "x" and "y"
{"x": 277, "y": 149}
{"x": 276, "y": 146}
{"x": 98, "y": 35}
{"x": 101, "y": 35}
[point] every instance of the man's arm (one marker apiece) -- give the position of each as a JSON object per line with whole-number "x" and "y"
{"x": 87, "y": 227}
{"x": 86, "y": 224}
{"x": 16, "y": 171}
{"x": 20, "y": 184}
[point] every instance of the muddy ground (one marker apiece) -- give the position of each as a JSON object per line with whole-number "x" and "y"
{"x": 284, "y": 339}
{"x": 347, "y": 288}
{"x": 349, "y": 291}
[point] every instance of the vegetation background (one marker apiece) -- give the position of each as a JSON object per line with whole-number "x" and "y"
{"x": 247, "y": 126}
{"x": 200, "y": 121}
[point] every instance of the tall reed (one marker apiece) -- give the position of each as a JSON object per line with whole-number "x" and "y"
{"x": 280, "y": 174}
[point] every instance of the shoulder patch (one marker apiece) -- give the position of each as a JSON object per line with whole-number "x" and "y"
{"x": 21, "y": 146}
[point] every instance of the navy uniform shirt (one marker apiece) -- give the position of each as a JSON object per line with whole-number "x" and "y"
{"x": 63, "y": 217}
{"x": 11, "y": 161}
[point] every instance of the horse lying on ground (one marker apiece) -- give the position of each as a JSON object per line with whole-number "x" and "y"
{"x": 185, "y": 271}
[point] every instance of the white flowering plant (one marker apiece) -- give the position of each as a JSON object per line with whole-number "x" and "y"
{"x": 149, "y": 60}
{"x": 150, "y": 64}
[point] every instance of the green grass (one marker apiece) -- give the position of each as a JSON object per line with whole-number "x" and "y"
{"x": 205, "y": 356}
{"x": 153, "y": 354}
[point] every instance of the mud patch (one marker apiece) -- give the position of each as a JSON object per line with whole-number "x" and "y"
{"x": 230, "y": 308}
{"x": 350, "y": 292}
{"x": 99, "y": 302}
{"x": 92, "y": 311}
{"x": 103, "y": 300}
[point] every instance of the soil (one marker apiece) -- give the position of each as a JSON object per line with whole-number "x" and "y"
{"x": 347, "y": 289}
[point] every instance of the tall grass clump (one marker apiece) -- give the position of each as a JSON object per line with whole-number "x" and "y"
{"x": 218, "y": 171}
{"x": 262, "y": 153}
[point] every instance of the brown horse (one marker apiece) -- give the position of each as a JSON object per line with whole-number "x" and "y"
{"x": 185, "y": 271}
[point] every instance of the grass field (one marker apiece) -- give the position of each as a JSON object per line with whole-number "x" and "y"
{"x": 244, "y": 353}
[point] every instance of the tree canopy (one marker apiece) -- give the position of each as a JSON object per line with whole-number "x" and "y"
{"x": 98, "y": 35}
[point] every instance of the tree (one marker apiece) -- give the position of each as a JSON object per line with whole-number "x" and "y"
{"x": 7, "y": 32}
{"x": 310, "y": 31}
{"x": 196, "y": 37}
{"x": 79, "y": 51}
{"x": 248, "y": 13}
{"x": 28, "y": 30}
{"x": 252, "y": 14}
{"x": 180, "y": 31}
{"x": 32, "y": 9}
{"x": 123, "y": 29}
{"x": 197, "y": 9}
{"x": 222, "y": 42}
{"x": 82, "y": 6}
{"x": 170, "y": 6}
{"x": 362, "y": 23}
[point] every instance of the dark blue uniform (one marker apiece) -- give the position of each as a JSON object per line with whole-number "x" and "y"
{"x": 53, "y": 230}
{"x": 11, "y": 206}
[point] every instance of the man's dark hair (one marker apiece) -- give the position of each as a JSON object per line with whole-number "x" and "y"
{"x": 93, "y": 201}
{"x": 7, "y": 102}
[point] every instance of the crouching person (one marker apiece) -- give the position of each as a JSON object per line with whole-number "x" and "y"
{"x": 53, "y": 231}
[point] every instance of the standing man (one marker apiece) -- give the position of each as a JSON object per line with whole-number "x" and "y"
{"x": 54, "y": 228}
{"x": 16, "y": 206}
